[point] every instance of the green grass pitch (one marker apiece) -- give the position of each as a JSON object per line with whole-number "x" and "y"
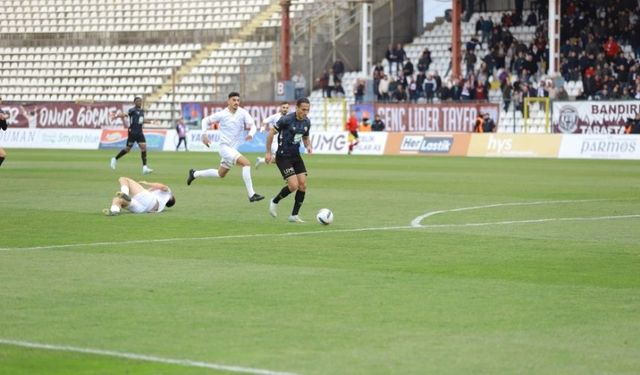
{"x": 548, "y": 288}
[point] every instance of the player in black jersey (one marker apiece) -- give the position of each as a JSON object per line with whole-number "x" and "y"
{"x": 136, "y": 121}
{"x": 291, "y": 129}
{"x": 3, "y": 125}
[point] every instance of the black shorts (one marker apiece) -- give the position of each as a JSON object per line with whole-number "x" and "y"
{"x": 135, "y": 137}
{"x": 290, "y": 166}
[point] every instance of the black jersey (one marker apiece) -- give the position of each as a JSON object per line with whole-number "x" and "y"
{"x": 290, "y": 133}
{"x": 136, "y": 120}
{"x": 3, "y": 123}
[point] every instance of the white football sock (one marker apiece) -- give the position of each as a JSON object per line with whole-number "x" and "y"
{"x": 260, "y": 160}
{"x": 115, "y": 208}
{"x": 124, "y": 189}
{"x": 246, "y": 176}
{"x": 206, "y": 173}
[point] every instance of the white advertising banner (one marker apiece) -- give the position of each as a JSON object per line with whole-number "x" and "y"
{"x": 593, "y": 117}
{"x": 80, "y": 139}
{"x": 370, "y": 143}
{"x": 194, "y": 141}
{"x": 598, "y": 146}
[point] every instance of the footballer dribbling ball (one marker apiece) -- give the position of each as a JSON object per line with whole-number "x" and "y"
{"x": 325, "y": 216}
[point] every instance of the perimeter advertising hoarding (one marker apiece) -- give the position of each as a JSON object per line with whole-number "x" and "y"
{"x": 441, "y": 118}
{"x": 599, "y": 146}
{"x": 370, "y": 143}
{"x": 428, "y": 144}
{"x": 194, "y": 142}
{"x": 79, "y": 139}
{"x": 515, "y": 145}
{"x": 63, "y": 115}
{"x": 592, "y": 117}
{"x": 117, "y": 139}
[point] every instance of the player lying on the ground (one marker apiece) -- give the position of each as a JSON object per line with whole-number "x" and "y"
{"x": 138, "y": 200}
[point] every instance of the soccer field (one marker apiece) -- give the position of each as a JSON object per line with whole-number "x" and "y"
{"x": 432, "y": 266}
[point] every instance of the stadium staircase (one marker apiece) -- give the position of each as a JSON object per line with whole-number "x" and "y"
{"x": 243, "y": 33}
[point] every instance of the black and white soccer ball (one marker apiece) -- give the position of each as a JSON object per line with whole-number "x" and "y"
{"x": 325, "y": 216}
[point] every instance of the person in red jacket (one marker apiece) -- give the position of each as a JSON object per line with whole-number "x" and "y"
{"x": 611, "y": 48}
{"x": 352, "y": 128}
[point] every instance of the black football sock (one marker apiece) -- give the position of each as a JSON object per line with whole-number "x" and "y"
{"x": 283, "y": 194}
{"x": 144, "y": 157}
{"x": 1, "y": 160}
{"x": 122, "y": 153}
{"x": 298, "y": 204}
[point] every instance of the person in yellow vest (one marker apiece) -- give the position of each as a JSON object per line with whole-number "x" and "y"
{"x": 365, "y": 126}
{"x": 478, "y": 127}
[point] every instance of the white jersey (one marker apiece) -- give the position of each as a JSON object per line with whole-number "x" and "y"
{"x": 271, "y": 121}
{"x": 147, "y": 201}
{"x": 231, "y": 126}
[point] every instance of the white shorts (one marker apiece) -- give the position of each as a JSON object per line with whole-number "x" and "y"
{"x": 142, "y": 203}
{"x": 229, "y": 156}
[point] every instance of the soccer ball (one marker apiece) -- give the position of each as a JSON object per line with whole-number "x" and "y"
{"x": 325, "y": 216}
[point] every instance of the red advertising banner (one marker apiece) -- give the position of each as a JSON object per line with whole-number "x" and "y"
{"x": 56, "y": 115}
{"x": 444, "y": 117}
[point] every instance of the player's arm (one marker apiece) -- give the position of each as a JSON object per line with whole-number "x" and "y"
{"x": 307, "y": 143}
{"x": 252, "y": 126}
{"x": 267, "y": 156}
{"x": 206, "y": 124}
{"x": 154, "y": 185}
{"x": 266, "y": 123}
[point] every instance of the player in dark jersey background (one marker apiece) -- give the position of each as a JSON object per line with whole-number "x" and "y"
{"x": 3, "y": 125}
{"x": 291, "y": 129}
{"x": 136, "y": 135}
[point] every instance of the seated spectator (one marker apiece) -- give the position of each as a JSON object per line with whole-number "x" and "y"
{"x": 400, "y": 95}
{"x": 358, "y": 91}
{"x": 425, "y": 61}
{"x": 378, "y": 124}
{"x": 407, "y": 70}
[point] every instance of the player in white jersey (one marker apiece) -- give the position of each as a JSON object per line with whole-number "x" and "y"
{"x": 138, "y": 200}
{"x": 232, "y": 121}
{"x": 267, "y": 124}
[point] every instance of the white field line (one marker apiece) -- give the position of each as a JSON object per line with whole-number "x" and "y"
{"x": 415, "y": 224}
{"x": 142, "y": 357}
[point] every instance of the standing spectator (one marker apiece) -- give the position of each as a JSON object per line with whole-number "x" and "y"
{"x": 383, "y": 89}
{"x": 611, "y": 48}
{"x": 339, "y": 89}
{"x": 429, "y": 88}
{"x": 378, "y": 73}
{"x": 323, "y": 82}
{"x": 438, "y": 80}
{"x": 300, "y": 84}
{"x": 482, "y": 6}
{"x": 401, "y": 56}
{"x": 331, "y": 83}
{"x": 359, "y": 91}
{"x": 338, "y": 69}
{"x": 378, "y": 124}
{"x": 181, "y": 129}
{"x": 413, "y": 90}
{"x": 480, "y": 91}
{"x": 479, "y": 25}
{"x": 392, "y": 58}
{"x": 487, "y": 26}
{"x": 470, "y": 61}
{"x": 506, "y": 96}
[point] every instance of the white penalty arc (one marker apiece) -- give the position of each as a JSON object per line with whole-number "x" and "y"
{"x": 142, "y": 357}
{"x": 416, "y": 223}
